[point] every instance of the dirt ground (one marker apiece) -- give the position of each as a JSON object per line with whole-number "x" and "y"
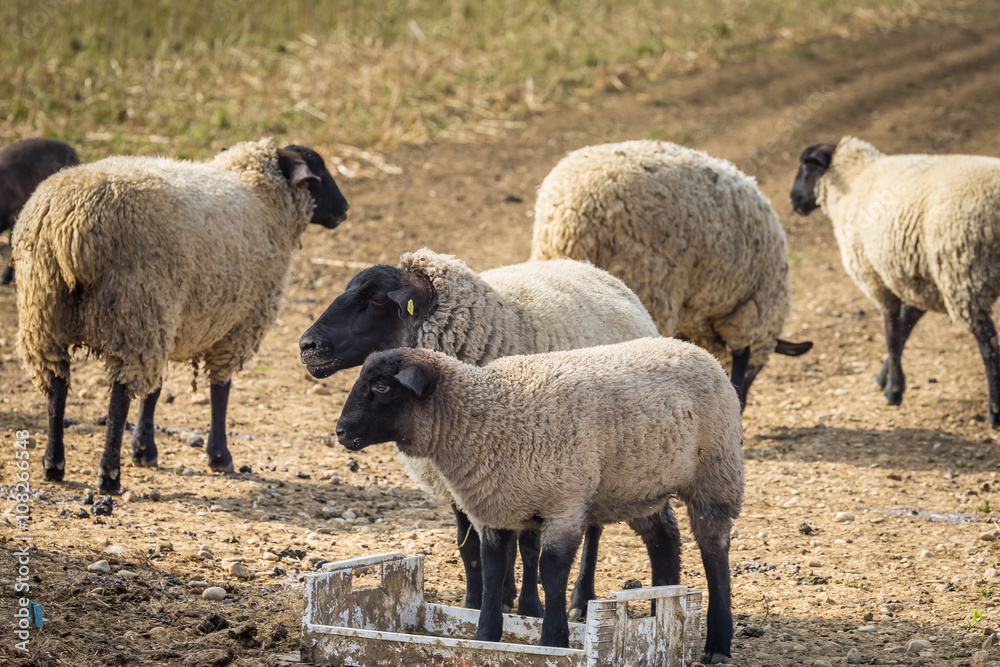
{"x": 865, "y": 526}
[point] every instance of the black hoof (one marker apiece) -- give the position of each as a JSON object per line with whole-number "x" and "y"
{"x": 530, "y": 608}
{"x": 221, "y": 466}
{"x": 52, "y": 473}
{"x": 883, "y": 375}
{"x": 472, "y": 601}
{"x": 712, "y": 658}
{"x": 145, "y": 455}
{"x": 894, "y": 397}
{"x": 484, "y": 635}
{"x": 106, "y": 485}
{"x": 994, "y": 418}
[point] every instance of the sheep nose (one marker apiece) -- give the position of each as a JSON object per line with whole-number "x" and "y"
{"x": 340, "y": 430}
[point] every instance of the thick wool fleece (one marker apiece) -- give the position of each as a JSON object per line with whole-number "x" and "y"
{"x": 142, "y": 260}
{"x": 519, "y": 309}
{"x": 690, "y": 233}
{"x": 923, "y": 227}
{"x": 596, "y": 435}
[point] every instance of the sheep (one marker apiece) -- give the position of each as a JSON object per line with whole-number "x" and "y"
{"x": 23, "y": 165}
{"x": 561, "y": 440}
{"x": 916, "y": 233}
{"x": 435, "y": 301}
{"x": 688, "y": 232}
{"x": 144, "y": 260}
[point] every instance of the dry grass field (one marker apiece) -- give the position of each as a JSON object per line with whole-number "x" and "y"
{"x": 442, "y": 120}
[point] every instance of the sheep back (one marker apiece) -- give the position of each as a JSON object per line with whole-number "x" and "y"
{"x": 614, "y": 429}
{"x": 142, "y": 260}
{"x": 691, "y": 234}
{"x": 925, "y": 227}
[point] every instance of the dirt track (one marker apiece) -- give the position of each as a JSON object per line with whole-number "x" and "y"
{"x": 820, "y": 439}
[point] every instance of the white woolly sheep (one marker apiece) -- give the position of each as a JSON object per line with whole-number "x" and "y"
{"x": 916, "y": 233}
{"x": 436, "y": 302}
{"x": 688, "y": 232}
{"x": 23, "y": 165}
{"x": 561, "y": 440}
{"x": 142, "y": 260}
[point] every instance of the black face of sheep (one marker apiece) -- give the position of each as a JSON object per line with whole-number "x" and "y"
{"x": 23, "y": 165}
{"x": 813, "y": 164}
{"x": 304, "y": 165}
{"x": 373, "y": 314}
{"x": 375, "y": 405}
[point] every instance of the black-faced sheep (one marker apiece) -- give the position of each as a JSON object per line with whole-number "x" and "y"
{"x": 145, "y": 260}
{"x": 692, "y": 236}
{"x": 561, "y": 440}
{"x": 436, "y": 302}
{"x": 916, "y": 233}
{"x": 23, "y": 165}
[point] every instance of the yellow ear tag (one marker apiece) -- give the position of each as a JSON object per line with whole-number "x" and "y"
{"x": 409, "y": 306}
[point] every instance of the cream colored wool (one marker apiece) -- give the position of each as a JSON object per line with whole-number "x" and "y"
{"x": 142, "y": 260}
{"x": 520, "y": 309}
{"x": 924, "y": 227}
{"x": 690, "y": 233}
{"x": 588, "y": 436}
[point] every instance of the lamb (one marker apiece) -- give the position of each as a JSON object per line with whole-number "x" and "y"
{"x": 561, "y": 440}
{"x": 916, "y": 233}
{"x": 688, "y": 232}
{"x": 23, "y": 165}
{"x": 144, "y": 260}
{"x": 436, "y": 302}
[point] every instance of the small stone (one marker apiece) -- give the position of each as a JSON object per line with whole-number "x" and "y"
{"x": 991, "y": 573}
{"x": 854, "y": 657}
{"x": 328, "y": 512}
{"x": 267, "y": 555}
{"x": 990, "y": 641}
{"x": 214, "y": 593}
{"x": 869, "y": 616}
{"x": 815, "y": 563}
{"x": 302, "y": 475}
{"x": 127, "y": 497}
{"x": 155, "y": 495}
{"x": 246, "y": 470}
{"x": 349, "y": 515}
{"x": 83, "y": 514}
{"x": 791, "y": 502}
{"x": 126, "y": 574}
{"x": 240, "y": 571}
{"x": 352, "y": 465}
{"x": 199, "y": 399}
{"x": 982, "y": 658}
{"x": 88, "y": 499}
{"x": 631, "y": 584}
{"x": 319, "y": 390}
{"x": 988, "y": 537}
{"x": 334, "y": 478}
{"x": 430, "y": 503}
{"x": 115, "y": 550}
{"x": 216, "y": 508}
{"x": 196, "y": 441}
{"x": 806, "y": 529}
{"x": 843, "y": 517}
{"x": 926, "y": 554}
{"x": 867, "y": 628}
{"x": 958, "y": 578}
{"x": 187, "y": 472}
{"x": 103, "y": 506}
{"x": 206, "y": 554}
{"x": 101, "y": 566}
{"x": 917, "y": 645}
{"x": 897, "y": 649}
{"x": 84, "y": 394}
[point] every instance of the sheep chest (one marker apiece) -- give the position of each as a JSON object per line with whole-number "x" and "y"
{"x": 370, "y": 612}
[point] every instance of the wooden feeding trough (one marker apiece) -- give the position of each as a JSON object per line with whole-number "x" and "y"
{"x": 370, "y": 612}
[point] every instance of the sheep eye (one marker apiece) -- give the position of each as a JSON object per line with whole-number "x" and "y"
{"x": 379, "y": 299}
{"x": 380, "y": 387}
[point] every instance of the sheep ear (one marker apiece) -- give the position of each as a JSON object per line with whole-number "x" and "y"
{"x": 819, "y": 154}
{"x": 793, "y": 349}
{"x": 415, "y": 377}
{"x": 294, "y": 168}
{"x": 410, "y": 300}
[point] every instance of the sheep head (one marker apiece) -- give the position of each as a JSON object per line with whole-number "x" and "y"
{"x": 377, "y": 409}
{"x": 377, "y": 311}
{"x": 813, "y": 164}
{"x": 303, "y": 167}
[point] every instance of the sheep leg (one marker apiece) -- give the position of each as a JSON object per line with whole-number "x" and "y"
{"x": 529, "y": 604}
{"x": 986, "y": 336}
{"x": 54, "y": 461}
{"x": 583, "y": 589}
{"x": 110, "y": 469}
{"x": 219, "y": 458}
{"x": 741, "y": 361}
{"x": 509, "y": 587}
{"x": 895, "y": 380}
{"x": 554, "y": 565}
{"x": 908, "y": 318}
{"x": 496, "y": 548}
{"x": 662, "y": 537}
{"x": 469, "y": 549}
{"x": 144, "y": 452}
{"x": 711, "y": 523}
